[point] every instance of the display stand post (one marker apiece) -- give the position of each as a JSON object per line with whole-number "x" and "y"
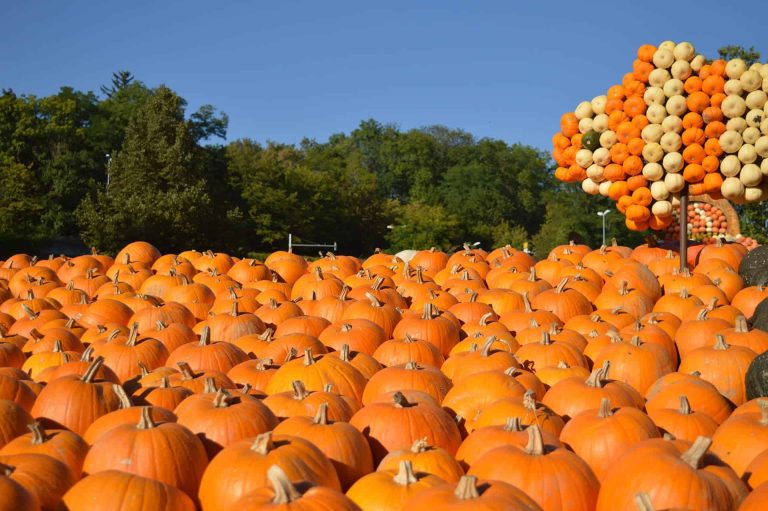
{"x": 683, "y": 231}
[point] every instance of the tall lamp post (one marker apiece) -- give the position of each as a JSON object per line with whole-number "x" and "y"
{"x": 603, "y": 214}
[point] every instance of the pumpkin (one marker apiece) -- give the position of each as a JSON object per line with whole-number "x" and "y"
{"x": 426, "y": 459}
{"x": 65, "y": 446}
{"x": 682, "y": 422}
{"x": 87, "y": 398}
{"x": 142, "y": 444}
{"x": 45, "y": 477}
{"x": 728, "y": 441}
{"x": 601, "y": 438}
{"x": 469, "y": 396}
{"x": 13, "y": 496}
{"x": 431, "y": 327}
{"x": 408, "y": 376}
{"x": 397, "y": 424}
{"x": 471, "y": 494}
{"x": 220, "y": 418}
{"x": 389, "y": 489}
{"x": 88, "y": 494}
{"x": 344, "y": 445}
{"x": 563, "y": 480}
{"x": 283, "y": 494}
{"x": 208, "y": 355}
{"x": 242, "y": 467}
{"x": 671, "y": 478}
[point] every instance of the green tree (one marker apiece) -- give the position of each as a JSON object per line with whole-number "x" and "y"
{"x": 421, "y": 226}
{"x": 120, "y": 80}
{"x": 750, "y": 56}
{"x": 155, "y": 192}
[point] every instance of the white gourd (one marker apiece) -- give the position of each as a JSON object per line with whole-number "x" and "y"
{"x": 676, "y": 105}
{"x": 604, "y": 186}
{"x": 608, "y": 139}
{"x": 600, "y": 123}
{"x": 751, "y": 80}
{"x": 667, "y": 45}
{"x": 598, "y": 104}
{"x": 737, "y": 124}
{"x": 653, "y": 171}
{"x": 671, "y": 142}
{"x": 673, "y": 87}
{"x": 761, "y": 146}
{"x": 751, "y": 135}
{"x": 659, "y": 190}
{"x": 601, "y": 156}
{"x": 747, "y": 154}
{"x": 658, "y": 77}
{"x": 653, "y": 152}
{"x": 652, "y": 133}
{"x": 681, "y": 69}
{"x": 732, "y": 188}
{"x": 663, "y": 58}
{"x": 734, "y": 68}
{"x": 583, "y": 158}
{"x": 662, "y": 209}
{"x": 674, "y": 182}
{"x": 750, "y": 175}
{"x": 684, "y": 51}
{"x": 733, "y": 106}
{"x": 585, "y": 125}
{"x": 590, "y": 187}
{"x": 673, "y": 162}
{"x": 755, "y": 117}
{"x": 733, "y": 87}
{"x": 730, "y": 166}
{"x": 656, "y": 113}
{"x": 595, "y": 173}
{"x": 764, "y": 126}
{"x": 731, "y": 141}
{"x": 654, "y": 96}
{"x": 672, "y": 123}
{"x": 764, "y": 167}
{"x": 756, "y": 99}
{"x": 753, "y": 194}
{"x": 697, "y": 62}
{"x": 583, "y": 110}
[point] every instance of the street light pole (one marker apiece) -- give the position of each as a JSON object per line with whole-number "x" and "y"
{"x": 603, "y": 214}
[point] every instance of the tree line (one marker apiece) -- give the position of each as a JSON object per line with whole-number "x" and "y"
{"x": 133, "y": 163}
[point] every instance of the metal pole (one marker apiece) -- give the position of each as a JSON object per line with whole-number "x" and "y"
{"x": 604, "y": 229}
{"x": 683, "y": 231}
{"x": 290, "y": 239}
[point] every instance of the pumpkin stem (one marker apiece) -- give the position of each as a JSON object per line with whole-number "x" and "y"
{"x": 545, "y": 338}
{"x": 125, "y": 401}
{"x": 263, "y": 443}
{"x": 133, "y": 335}
{"x": 405, "y": 475}
{"x": 7, "y": 470}
{"x": 741, "y": 325}
{"x": 146, "y": 422}
{"x": 399, "y": 399}
{"x": 86, "y": 356}
{"x": 205, "y": 336}
{"x": 299, "y": 390}
{"x": 343, "y": 293}
{"x": 374, "y": 301}
{"x": 605, "y": 408}
{"x": 429, "y": 311}
{"x": 597, "y": 376}
{"x": 484, "y": 319}
{"x": 235, "y": 311}
{"x": 685, "y": 406}
{"x": 266, "y": 336}
{"x": 308, "y": 358}
{"x": 344, "y": 352}
{"x": 39, "y": 435}
{"x": 220, "y": 400}
{"x": 90, "y": 373}
{"x": 346, "y": 327}
{"x": 113, "y": 335}
{"x": 285, "y": 491}
{"x": 486, "y": 351}
{"x": 209, "y": 385}
{"x": 561, "y": 285}
{"x": 702, "y": 315}
{"x": 624, "y": 288}
{"x": 321, "y": 417}
{"x": 684, "y": 293}
{"x": 411, "y": 366}
{"x": 420, "y": 445}
{"x": 186, "y": 371}
{"x": 467, "y": 488}
{"x": 164, "y": 383}
{"x": 513, "y": 424}
{"x": 763, "y": 404}
{"x": 635, "y": 341}
{"x": 529, "y": 400}
{"x": 643, "y": 502}
{"x": 720, "y": 343}
{"x": 535, "y": 444}
{"x": 694, "y": 455}
{"x": 57, "y": 347}
{"x": 527, "y": 302}
{"x": 292, "y": 353}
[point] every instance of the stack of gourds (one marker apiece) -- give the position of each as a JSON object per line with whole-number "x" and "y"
{"x": 676, "y": 124}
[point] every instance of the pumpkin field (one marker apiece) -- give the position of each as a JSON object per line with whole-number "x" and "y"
{"x": 588, "y": 380}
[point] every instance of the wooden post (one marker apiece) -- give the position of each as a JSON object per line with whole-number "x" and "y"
{"x": 683, "y": 231}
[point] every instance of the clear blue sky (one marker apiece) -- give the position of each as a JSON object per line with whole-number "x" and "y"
{"x": 283, "y": 70}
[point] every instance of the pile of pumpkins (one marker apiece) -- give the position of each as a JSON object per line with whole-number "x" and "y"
{"x": 676, "y": 124}
{"x": 590, "y": 380}
{"x": 706, "y": 223}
